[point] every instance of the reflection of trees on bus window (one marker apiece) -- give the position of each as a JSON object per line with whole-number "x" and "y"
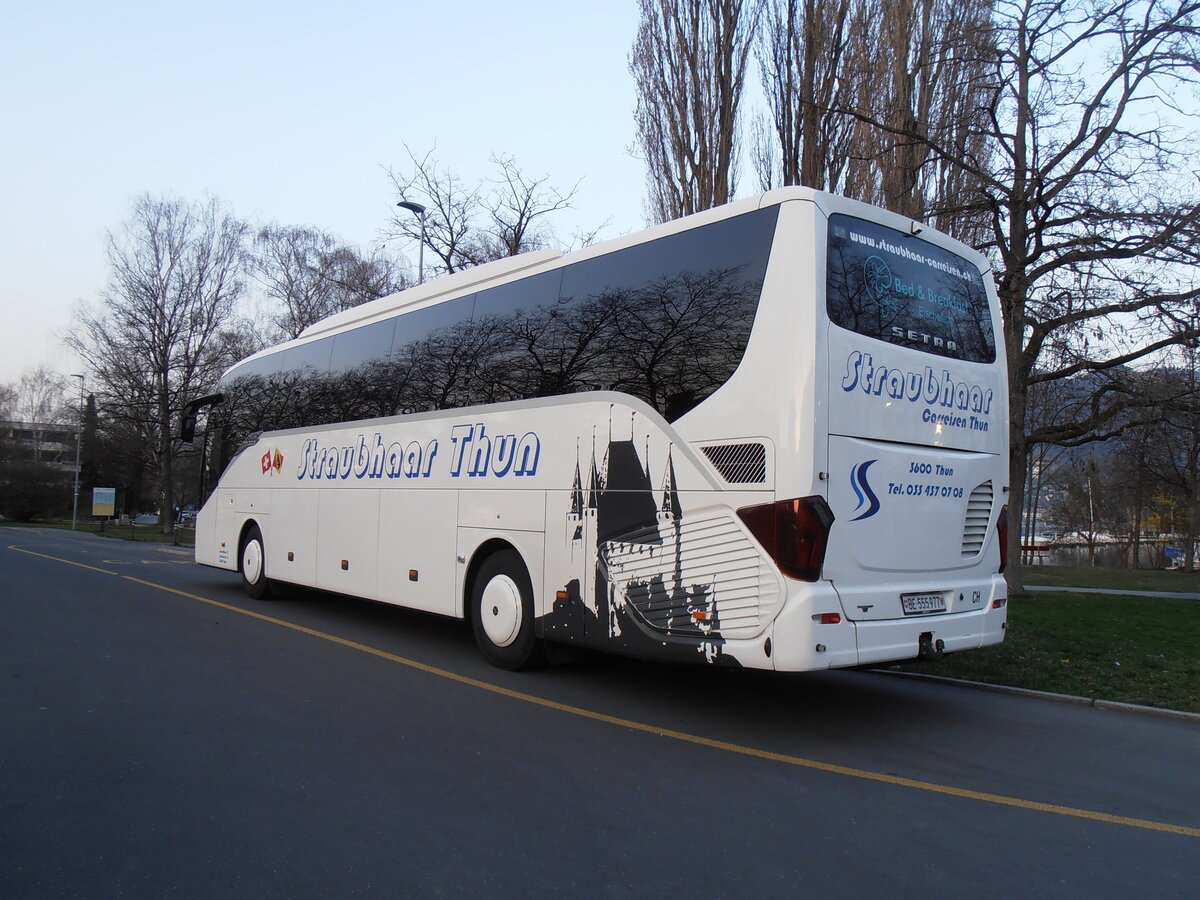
{"x": 667, "y": 322}
{"x": 914, "y": 293}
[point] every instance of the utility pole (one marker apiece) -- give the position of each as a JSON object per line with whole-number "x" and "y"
{"x": 78, "y": 444}
{"x": 419, "y": 211}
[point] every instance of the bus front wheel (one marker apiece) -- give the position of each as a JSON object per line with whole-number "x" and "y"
{"x": 502, "y": 613}
{"x": 253, "y": 565}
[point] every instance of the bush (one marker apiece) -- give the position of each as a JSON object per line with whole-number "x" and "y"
{"x": 31, "y": 491}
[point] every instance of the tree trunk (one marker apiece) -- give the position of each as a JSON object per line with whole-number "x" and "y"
{"x": 1018, "y": 396}
{"x": 1015, "y": 499}
{"x": 166, "y": 485}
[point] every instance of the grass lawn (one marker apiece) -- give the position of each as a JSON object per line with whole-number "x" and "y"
{"x": 1141, "y": 650}
{"x": 183, "y": 537}
{"x": 1117, "y": 579}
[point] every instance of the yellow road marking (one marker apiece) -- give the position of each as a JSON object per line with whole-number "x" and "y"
{"x": 149, "y": 562}
{"x": 69, "y": 562}
{"x": 683, "y": 736}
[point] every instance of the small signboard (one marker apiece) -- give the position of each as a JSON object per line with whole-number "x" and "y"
{"x": 1174, "y": 553}
{"x": 104, "y": 501}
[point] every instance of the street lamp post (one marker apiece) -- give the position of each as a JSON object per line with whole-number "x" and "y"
{"x": 78, "y": 444}
{"x": 419, "y": 211}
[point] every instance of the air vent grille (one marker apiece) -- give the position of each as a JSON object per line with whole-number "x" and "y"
{"x": 692, "y": 576}
{"x": 739, "y": 463}
{"x": 979, "y": 514}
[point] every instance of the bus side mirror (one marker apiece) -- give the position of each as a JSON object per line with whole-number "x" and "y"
{"x": 187, "y": 426}
{"x": 187, "y": 418}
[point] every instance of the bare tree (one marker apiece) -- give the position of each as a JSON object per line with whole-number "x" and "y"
{"x": 830, "y": 73}
{"x": 1172, "y": 457}
{"x": 451, "y": 208}
{"x": 689, "y": 64}
{"x": 1093, "y": 217}
{"x": 809, "y": 69}
{"x": 764, "y": 155}
{"x": 1095, "y": 232}
{"x": 933, "y": 77}
{"x": 311, "y": 275}
{"x": 154, "y": 341}
{"x": 40, "y": 401}
{"x": 518, "y": 206}
{"x": 41, "y": 397}
{"x": 288, "y": 264}
{"x": 359, "y": 278}
{"x": 469, "y": 224}
{"x": 31, "y": 454}
{"x": 8, "y": 402}
{"x": 1049, "y": 404}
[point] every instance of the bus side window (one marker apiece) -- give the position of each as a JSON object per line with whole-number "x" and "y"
{"x": 362, "y": 346}
{"x": 672, "y": 317}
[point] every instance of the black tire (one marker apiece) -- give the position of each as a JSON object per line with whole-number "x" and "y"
{"x": 502, "y": 613}
{"x": 252, "y": 564}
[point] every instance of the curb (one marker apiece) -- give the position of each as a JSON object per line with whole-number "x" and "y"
{"x": 1093, "y": 702}
{"x": 174, "y": 551}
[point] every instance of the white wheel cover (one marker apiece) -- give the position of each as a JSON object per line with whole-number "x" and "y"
{"x": 500, "y": 609}
{"x": 252, "y": 560}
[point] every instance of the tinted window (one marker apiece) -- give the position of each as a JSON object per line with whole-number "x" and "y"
{"x": 666, "y": 321}
{"x": 898, "y": 288}
{"x": 365, "y": 344}
{"x": 312, "y": 357}
{"x": 263, "y": 366}
{"x": 413, "y": 327}
{"x": 528, "y": 333}
{"x": 520, "y": 297}
{"x": 435, "y": 357}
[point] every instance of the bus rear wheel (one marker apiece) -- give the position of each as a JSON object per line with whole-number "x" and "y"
{"x": 252, "y": 562}
{"x": 502, "y": 613}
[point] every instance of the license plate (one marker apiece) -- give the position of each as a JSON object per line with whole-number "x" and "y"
{"x": 920, "y": 604}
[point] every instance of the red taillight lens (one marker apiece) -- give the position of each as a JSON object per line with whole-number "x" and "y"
{"x": 794, "y": 532}
{"x": 1002, "y": 535}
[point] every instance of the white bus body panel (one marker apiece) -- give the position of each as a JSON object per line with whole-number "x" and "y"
{"x": 628, "y": 539}
{"x": 408, "y": 543}
{"x": 628, "y": 526}
{"x": 917, "y": 474}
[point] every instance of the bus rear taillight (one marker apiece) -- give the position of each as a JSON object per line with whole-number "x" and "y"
{"x": 794, "y": 532}
{"x": 1002, "y": 536}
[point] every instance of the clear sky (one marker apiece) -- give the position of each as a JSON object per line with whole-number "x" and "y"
{"x": 290, "y": 113}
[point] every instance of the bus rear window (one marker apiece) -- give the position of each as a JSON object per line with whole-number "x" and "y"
{"x": 898, "y": 288}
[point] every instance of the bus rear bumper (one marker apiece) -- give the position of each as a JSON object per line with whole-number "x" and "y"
{"x": 893, "y": 640}
{"x": 802, "y": 642}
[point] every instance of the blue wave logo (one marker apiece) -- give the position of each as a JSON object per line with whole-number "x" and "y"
{"x": 862, "y": 490}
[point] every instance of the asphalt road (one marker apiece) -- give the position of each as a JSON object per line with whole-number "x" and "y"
{"x": 161, "y": 735}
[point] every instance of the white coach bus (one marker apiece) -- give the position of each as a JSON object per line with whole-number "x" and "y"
{"x": 772, "y": 435}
